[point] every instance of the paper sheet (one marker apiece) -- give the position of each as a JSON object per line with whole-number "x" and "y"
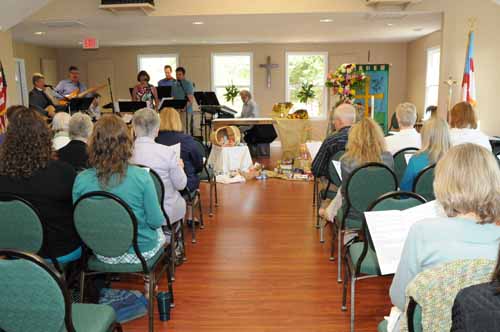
{"x": 389, "y": 230}
{"x": 338, "y": 168}
{"x": 408, "y": 157}
{"x": 313, "y": 148}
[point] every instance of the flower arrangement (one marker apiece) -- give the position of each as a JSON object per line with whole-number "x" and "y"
{"x": 231, "y": 93}
{"x": 345, "y": 80}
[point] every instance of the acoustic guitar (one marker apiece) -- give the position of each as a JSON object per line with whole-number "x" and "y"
{"x": 77, "y": 94}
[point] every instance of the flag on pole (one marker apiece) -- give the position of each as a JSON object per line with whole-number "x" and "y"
{"x": 469, "y": 80}
{"x": 3, "y": 99}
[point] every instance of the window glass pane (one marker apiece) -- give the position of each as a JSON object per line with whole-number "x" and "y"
{"x": 432, "y": 76}
{"x": 232, "y": 69}
{"x": 238, "y": 104}
{"x": 431, "y": 95}
{"x": 309, "y": 68}
{"x": 154, "y": 66}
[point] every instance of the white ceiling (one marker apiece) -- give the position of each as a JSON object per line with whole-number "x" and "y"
{"x": 135, "y": 28}
{"x": 14, "y": 11}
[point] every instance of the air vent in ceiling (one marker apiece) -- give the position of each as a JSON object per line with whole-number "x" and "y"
{"x": 63, "y": 24}
{"x": 147, "y": 6}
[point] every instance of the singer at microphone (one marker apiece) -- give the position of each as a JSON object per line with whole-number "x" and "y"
{"x": 39, "y": 99}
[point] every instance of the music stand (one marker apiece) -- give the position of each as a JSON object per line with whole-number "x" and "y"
{"x": 164, "y": 92}
{"x": 211, "y": 99}
{"x": 79, "y": 104}
{"x": 131, "y": 106}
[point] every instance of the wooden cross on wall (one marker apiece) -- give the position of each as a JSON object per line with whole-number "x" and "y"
{"x": 269, "y": 66}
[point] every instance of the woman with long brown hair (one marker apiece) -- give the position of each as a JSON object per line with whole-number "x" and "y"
{"x": 28, "y": 170}
{"x": 110, "y": 148}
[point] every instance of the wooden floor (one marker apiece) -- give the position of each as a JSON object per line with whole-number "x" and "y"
{"x": 258, "y": 266}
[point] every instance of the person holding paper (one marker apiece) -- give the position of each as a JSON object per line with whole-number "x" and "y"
{"x": 365, "y": 144}
{"x": 467, "y": 185}
{"x": 407, "y": 137}
{"x": 162, "y": 159}
{"x": 435, "y": 143}
{"x": 343, "y": 118}
{"x": 144, "y": 91}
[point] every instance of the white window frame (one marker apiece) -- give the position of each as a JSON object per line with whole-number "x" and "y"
{"x": 325, "y": 89}
{"x": 166, "y": 55}
{"x": 250, "y": 54}
{"x": 428, "y": 52}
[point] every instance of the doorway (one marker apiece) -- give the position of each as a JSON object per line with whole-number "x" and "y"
{"x": 21, "y": 84}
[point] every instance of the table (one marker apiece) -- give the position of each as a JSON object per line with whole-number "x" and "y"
{"x": 224, "y": 159}
{"x": 217, "y": 123}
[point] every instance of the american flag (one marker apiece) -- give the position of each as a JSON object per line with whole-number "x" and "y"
{"x": 3, "y": 98}
{"x": 469, "y": 80}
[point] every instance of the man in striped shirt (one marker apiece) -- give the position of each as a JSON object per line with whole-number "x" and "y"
{"x": 343, "y": 118}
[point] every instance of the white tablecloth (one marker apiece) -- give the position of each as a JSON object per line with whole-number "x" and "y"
{"x": 226, "y": 159}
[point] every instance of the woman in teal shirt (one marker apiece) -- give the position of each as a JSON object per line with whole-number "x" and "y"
{"x": 110, "y": 148}
{"x": 435, "y": 143}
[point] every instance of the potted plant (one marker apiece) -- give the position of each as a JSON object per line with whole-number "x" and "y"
{"x": 306, "y": 92}
{"x": 231, "y": 93}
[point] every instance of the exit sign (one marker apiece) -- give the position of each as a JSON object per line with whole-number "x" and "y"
{"x": 90, "y": 44}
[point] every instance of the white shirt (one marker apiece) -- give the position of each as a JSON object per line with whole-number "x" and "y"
{"x": 467, "y": 135}
{"x": 405, "y": 138}
{"x": 163, "y": 160}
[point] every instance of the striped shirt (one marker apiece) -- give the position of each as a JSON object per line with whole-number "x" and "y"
{"x": 331, "y": 145}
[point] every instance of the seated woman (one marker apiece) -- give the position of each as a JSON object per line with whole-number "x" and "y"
{"x": 60, "y": 128}
{"x": 463, "y": 123}
{"x": 75, "y": 152}
{"x": 144, "y": 91}
{"x": 467, "y": 185}
{"x": 250, "y": 108}
{"x": 435, "y": 143}
{"x": 162, "y": 159}
{"x": 477, "y": 308}
{"x": 171, "y": 134}
{"x": 365, "y": 144}
{"x": 27, "y": 170}
{"x": 110, "y": 148}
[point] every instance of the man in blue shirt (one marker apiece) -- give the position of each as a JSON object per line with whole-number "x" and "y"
{"x": 168, "y": 80}
{"x": 184, "y": 89}
{"x": 66, "y": 87}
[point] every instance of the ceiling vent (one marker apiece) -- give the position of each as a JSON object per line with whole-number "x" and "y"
{"x": 114, "y": 6}
{"x": 62, "y": 24}
{"x": 391, "y": 4}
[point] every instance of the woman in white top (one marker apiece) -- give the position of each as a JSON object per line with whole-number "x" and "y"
{"x": 60, "y": 127}
{"x": 463, "y": 123}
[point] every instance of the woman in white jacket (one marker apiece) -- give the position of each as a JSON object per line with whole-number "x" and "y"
{"x": 463, "y": 123}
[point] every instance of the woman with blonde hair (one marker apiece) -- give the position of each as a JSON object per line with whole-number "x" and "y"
{"x": 435, "y": 143}
{"x": 171, "y": 134}
{"x": 365, "y": 144}
{"x": 110, "y": 149}
{"x": 467, "y": 186}
{"x": 464, "y": 127}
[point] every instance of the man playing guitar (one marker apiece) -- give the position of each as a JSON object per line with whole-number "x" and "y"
{"x": 39, "y": 99}
{"x": 67, "y": 88}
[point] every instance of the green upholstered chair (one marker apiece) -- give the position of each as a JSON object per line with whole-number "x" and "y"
{"x": 366, "y": 184}
{"x": 400, "y": 163}
{"x": 108, "y": 227}
{"x": 360, "y": 258}
{"x": 23, "y": 229}
{"x": 430, "y": 295}
{"x": 329, "y": 192}
{"x": 424, "y": 183}
{"x": 34, "y": 297}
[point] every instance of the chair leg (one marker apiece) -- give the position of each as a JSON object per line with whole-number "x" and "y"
{"x": 82, "y": 286}
{"x": 332, "y": 246}
{"x": 353, "y": 297}
{"x": 184, "y": 255}
{"x": 318, "y": 206}
{"x": 344, "y": 288}
{"x": 193, "y": 225}
{"x": 150, "y": 279}
{"x": 315, "y": 191}
{"x": 200, "y": 209}
{"x": 210, "y": 209}
{"x": 172, "y": 252}
{"x": 170, "y": 288}
{"x": 340, "y": 236}
{"x": 216, "y": 195}
{"x": 322, "y": 232}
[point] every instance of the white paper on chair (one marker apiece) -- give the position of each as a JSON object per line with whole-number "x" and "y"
{"x": 389, "y": 229}
{"x": 313, "y": 148}
{"x": 338, "y": 168}
{"x": 408, "y": 157}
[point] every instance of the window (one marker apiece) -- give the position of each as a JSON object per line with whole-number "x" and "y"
{"x": 311, "y": 68}
{"x": 231, "y": 68}
{"x": 154, "y": 64}
{"x": 432, "y": 79}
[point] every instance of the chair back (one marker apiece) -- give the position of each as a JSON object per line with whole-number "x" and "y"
{"x": 424, "y": 183}
{"x": 21, "y": 228}
{"x": 394, "y": 122}
{"x": 434, "y": 291}
{"x": 400, "y": 163}
{"x": 106, "y": 224}
{"x": 396, "y": 200}
{"x": 33, "y": 296}
{"x": 333, "y": 177}
{"x": 367, "y": 183}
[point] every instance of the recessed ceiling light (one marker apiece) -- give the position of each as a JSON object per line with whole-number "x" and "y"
{"x": 326, "y": 20}
{"x": 390, "y": 24}
{"x": 39, "y": 33}
{"x": 198, "y": 23}
{"x": 418, "y": 29}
